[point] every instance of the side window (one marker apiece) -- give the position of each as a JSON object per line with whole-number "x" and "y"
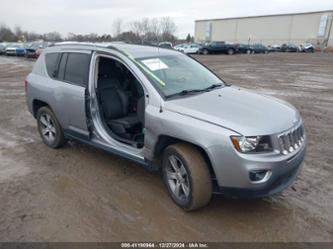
{"x": 77, "y": 68}
{"x": 52, "y": 62}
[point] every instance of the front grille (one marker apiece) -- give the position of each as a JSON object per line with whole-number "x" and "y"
{"x": 291, "y": 140}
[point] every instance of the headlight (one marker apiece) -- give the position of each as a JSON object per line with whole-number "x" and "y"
{"x": 252, "y": 143}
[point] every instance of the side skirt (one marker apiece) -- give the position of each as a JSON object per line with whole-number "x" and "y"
{"x": 147, "y": 164}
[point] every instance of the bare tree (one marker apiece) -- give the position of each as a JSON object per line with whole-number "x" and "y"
{"x": 154, "y": 30}
{"x": 52, "y": 36}
{"x": 136, "y": 28}
{"x": 32, "y": 36}
{"x": 141, "y": 27}
{"x": 145, "y": 31}
{"x": 129, "y": 36}
{"x": 168, "y": 29}
{"x": 18, "y": 31}
{"x": 6, "y": 34}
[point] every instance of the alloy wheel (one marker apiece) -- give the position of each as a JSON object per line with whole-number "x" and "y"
{"x": 178, "y": 178}
{"x": 47, "y": 127}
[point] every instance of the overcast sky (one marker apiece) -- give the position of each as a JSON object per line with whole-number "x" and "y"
{"x": 96, "y": 16}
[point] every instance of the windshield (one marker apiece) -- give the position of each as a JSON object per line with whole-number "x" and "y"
{"x": 173, "y": 74}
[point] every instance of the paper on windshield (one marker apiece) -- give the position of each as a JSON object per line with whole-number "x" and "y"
{"x": 154, "y": 64}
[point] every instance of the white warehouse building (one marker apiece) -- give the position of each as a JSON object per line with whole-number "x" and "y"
{"x": 297, "y": 28}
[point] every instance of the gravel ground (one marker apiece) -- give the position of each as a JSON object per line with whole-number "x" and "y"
{"x": 79, "y": 193}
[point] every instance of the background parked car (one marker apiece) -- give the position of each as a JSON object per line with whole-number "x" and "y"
{"x": 306, "y": 48}
{"x": 11, "y": 49}
{"x": 20, "y": 50}
{"x": 288, "y": 47}
{"x": 259, "y": 49}
{"x": 179, "y": 46}
{"x": 30, "y": 51}
{"x": 274, "y": 48}
{"x": 165, "y": 45}
{"x": 219, "y": 47}
{"x": 2, "y": 48}
{"x": 244, "y": 49}
{"x": 190, "y": 48}
{"x": 41, "y": 47}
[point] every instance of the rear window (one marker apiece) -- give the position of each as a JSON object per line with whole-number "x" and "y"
{"x": 77, "y": 68}
{"x": 52, "y": 61}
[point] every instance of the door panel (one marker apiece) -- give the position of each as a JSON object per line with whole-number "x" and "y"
{"x": 75, "y": 66}
{"x": 74, "y": 102}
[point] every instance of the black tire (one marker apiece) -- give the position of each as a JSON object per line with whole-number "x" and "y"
{"x": 205, "y": 51}
{"x": 230, "y": 51}
{"x": 198, "y": 180}
{"x": 54, "y": 139}
{"x": 249, "y": 51}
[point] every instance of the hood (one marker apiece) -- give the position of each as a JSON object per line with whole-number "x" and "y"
{"x": 239, "y": 110}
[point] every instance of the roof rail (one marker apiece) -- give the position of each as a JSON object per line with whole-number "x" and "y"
{"x": 74, "y": 43}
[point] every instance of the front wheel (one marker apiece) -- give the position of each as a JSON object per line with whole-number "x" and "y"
{"x": 248, "y": 51}
{"x": 187, "y": 177}
{"x": 49, "y": 128}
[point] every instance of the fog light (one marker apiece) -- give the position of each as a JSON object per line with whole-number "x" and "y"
{"x": 258, "y": 176}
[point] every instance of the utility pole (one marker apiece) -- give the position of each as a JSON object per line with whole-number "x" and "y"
{"x": 330, "y": 27}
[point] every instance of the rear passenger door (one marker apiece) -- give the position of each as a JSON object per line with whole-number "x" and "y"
{"x": 73, "y": 71}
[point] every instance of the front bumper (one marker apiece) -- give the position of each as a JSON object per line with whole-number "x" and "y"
{"x": 233, "y": 178}
{"x": 276, "y": 184}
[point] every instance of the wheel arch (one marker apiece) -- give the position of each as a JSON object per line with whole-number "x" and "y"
{"x": 166, "y": 140}
{"x": 37, "y": 104}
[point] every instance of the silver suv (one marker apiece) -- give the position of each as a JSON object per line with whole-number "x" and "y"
{"x": 166, "y": 111}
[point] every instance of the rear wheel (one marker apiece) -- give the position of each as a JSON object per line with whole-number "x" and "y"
{"x": 248, "y": 51}
{"x": 231, "y": 51}
{"x": 187, "y": 177}
{"x": 49, "y": 128}
{"x": 205, "y": 51}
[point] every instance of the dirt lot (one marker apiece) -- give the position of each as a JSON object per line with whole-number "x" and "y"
{"x": 79, "y": 193}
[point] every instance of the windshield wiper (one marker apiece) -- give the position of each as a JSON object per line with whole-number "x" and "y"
{"x": 193, "y": 91}
{"x": 186, "y": 92}
{"x": 213, "y": 87}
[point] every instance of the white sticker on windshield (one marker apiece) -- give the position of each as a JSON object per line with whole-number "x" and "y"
{"x": 155, "y": 64}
